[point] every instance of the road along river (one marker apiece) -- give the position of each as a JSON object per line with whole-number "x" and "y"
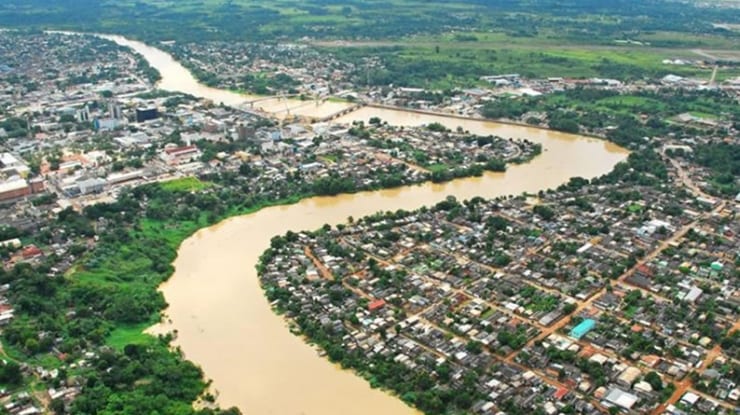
{"x": 224, "y": 322}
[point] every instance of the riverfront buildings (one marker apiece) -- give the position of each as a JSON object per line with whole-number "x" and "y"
{"x": 564, "y": 301}
{"x": 618, "y": 294}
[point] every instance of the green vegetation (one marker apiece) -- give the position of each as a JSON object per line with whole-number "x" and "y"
{"x": 260, "y": 83}
{"x": 443, "y": 65}
{"x": 629, "y": 119}
{"x": 544, "y": 212}
{"x": 434, "y": 44}
{"x": 10, "y": 374}
{"x": 151, "y": 74}
{"x": 636, "y": 119}
{"x": 14, "y": 127}
{"x": 723, "y": 160}
{"x": 110, "y": 297}
{"x": 662, "y": 104}
{"x": 187, "y": 184}
{"x": 660, "y": 22}
{"x": 125, "y": 335}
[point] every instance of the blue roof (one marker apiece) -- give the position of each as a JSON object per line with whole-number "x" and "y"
{"x": 581, "y": 329}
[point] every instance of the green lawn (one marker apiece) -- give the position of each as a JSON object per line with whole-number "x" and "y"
{"x": 704, "y": 115}
{"x": 186, "y": 184}
{"x": 437, "y": 167}
{"x": 632, "y": 104}
{"x": 130, "y": 334}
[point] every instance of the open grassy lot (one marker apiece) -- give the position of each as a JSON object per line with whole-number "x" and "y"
{"x": 451, "y": 63}
{"x": 186, "y": 184}
{"x": 130, "y": 334}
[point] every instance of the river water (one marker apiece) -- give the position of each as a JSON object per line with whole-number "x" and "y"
{"x": 176, "y": 77}
{"x": 225, "y": 324}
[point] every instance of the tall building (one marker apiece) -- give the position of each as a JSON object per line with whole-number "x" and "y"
{"x": 114, "y": 110}
{"x": 146, "y": 114}
{"x": 106, "y": 124}
{"x": 243, "y": 131}
{"x": 83, "y": 115}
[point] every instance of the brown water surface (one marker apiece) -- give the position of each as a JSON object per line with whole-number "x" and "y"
{"x": 225, "y": 323}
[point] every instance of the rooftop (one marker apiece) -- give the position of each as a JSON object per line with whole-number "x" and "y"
{"x": 583, "y": 328}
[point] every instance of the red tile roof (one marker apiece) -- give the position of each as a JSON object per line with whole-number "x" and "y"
{"x": 181, "y": 150}
{"x": 31, "y": 251}
{"x": 560, "y": 393}
{"x": 376, "y": 305}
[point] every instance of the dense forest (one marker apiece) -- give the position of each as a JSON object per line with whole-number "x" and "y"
{"x": 585, "y": 20}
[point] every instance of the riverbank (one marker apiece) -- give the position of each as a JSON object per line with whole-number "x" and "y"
{"x": 214, "y": 291}
{"x": 222, "y": 318}
{"x": 82, "y": 303}
{"x": 363, "y": 300}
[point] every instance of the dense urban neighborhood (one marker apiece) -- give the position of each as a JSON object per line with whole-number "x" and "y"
{"x": 613, "y": 294}
{"x": 603, "y": 295}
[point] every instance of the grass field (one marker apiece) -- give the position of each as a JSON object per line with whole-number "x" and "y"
{"x": 187, "y": 184}
{"x": 704, "y": 115}
{"x": 131, "y": 334}
{"x": 437, "y": 167}
{"x": 631, "y": 104}
{"x": 449, "y": 63}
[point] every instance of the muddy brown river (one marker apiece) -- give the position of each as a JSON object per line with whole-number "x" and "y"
{"x": 225, "y": 323}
